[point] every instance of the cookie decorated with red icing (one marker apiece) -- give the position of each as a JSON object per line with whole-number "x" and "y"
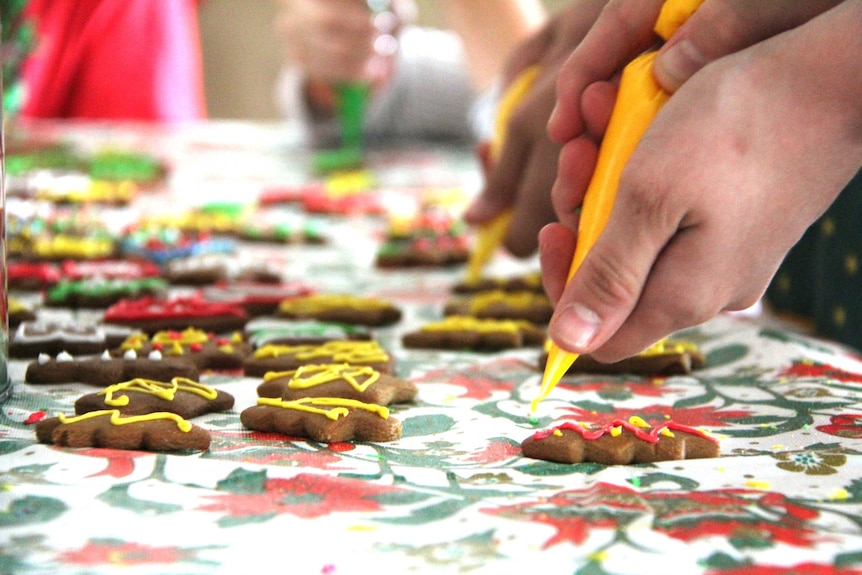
{"x": 620, "y": 442}
{"x": 150, "y": 314}
{"x": 205, "y": 349}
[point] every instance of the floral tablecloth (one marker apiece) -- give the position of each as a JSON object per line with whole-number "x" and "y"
{"x": 454, "y": 495}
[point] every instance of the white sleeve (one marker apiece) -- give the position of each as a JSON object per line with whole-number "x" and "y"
{"x": 429, "y": 97}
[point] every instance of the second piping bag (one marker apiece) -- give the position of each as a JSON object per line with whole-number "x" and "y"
{"x": 639, "y": 99}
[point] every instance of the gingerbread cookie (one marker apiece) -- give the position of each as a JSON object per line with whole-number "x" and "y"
{"x": 161, "y": 431}
{"x": 428, "y": 240}
{"x": 101, "y": 293}
{"x": 619, "y": 443}
{"x": 261, "y": 331}
{"x": 361, "y": 383}
{"x": 340, "y": 308}
{"x": 150, "y": 315}
{"x": 474, "y": 334}
{"x": 667, "y": 357}
{"x": 205, "y": 350}
{"x": 108, "y": 370}
{"x": 322, "y": 419}
{"x": 33, "y": 276}
{"x": 531, "y": 282}
{"x": 34, "y": 337}
{"x": 183, "y": 396}
{"x": 200, "y": 270}
{"x": 273, "y": 357}
{"x": 109, "y": 269}
{"x": 19, "y": 312}
{"x": 524, "y": 305}
{"x": 256, "y": 298}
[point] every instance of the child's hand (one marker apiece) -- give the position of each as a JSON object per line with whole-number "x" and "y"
{"x": 522, "y": 177}
{"x": 740, "y": 161}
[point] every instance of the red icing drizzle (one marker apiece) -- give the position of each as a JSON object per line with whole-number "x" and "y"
{"x": 152, "y": 308}
{"x": 651, "y": 436}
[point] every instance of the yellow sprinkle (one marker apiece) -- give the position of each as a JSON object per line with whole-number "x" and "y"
{"x": 558, "y": 433}
{"x": 840, "y": 493}
{"x": 756, "y": 484}
{"x": 368, "y": 528}
{"x": 667, "y": 432}
{"x": 638, "y": 422}
{"x": 615, "y": 431}
{"x": 777, "y": 447}
{"x": 598, "y": 556}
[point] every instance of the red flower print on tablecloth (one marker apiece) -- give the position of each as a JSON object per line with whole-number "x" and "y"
{"x": 807, "y": 369}
{"x": 305, "y": 495}
{"x": 475, "y": 387}
{"x": 275, "y": 448}
{"x": 705, "y": 416}
{"x": 496, "y": 451}
{"x": 119, "y": 462}
{"x": 117, "y": 553}
{"x": 844, "y": 425}
{"x": 745, "y": 517}
{"x": 796, "y": 569}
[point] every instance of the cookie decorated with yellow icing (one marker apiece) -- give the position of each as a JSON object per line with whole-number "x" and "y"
{"x": 498, "y": 304}
{"x": 322, "y": 419}
{"x": 342, "y": 308}
{"x": 666, "y": 357}
{"x": 620, "y": 442}
{"x": 204, "y": 349}
{"x": 280, "y": 358}
{"x": 474, "y": 334}
{"x": 183, "y": 396}
{"x": 160, "y": 431}
{"x": 361, "y": 383}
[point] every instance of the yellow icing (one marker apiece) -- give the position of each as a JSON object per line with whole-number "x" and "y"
{"x": 134, "y": 341}
{"x": 522, "y": 299}
{"x": 313, "y": 375}
{"x": 118, "y": 419}
{"x": 467, "y": 323}
{"x": 188, "y": 336}
{"x": 639, "y": 422}
{"x": 160, "y": 389}
{"x": 336, "y": 351}
{"x": 324, "y": 302}
{"x": 339, "y": 407}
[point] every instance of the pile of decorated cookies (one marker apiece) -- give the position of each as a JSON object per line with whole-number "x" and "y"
{"x": 322, "y": 375}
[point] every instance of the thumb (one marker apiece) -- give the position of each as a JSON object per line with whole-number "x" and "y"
{"x": 721, "y": 27}
{"x": 608, "y": 284}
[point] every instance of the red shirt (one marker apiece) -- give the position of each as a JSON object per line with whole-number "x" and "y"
{"x": 115, "y": 59}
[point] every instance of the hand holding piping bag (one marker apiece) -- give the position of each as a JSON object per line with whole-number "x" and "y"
{"x": 639, "y": 99}
{"x": 491, "y": 234}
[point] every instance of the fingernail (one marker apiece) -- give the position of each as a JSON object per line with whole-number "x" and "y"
{"x": 576, "y": 326}
{"x": 679, "y": 62}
